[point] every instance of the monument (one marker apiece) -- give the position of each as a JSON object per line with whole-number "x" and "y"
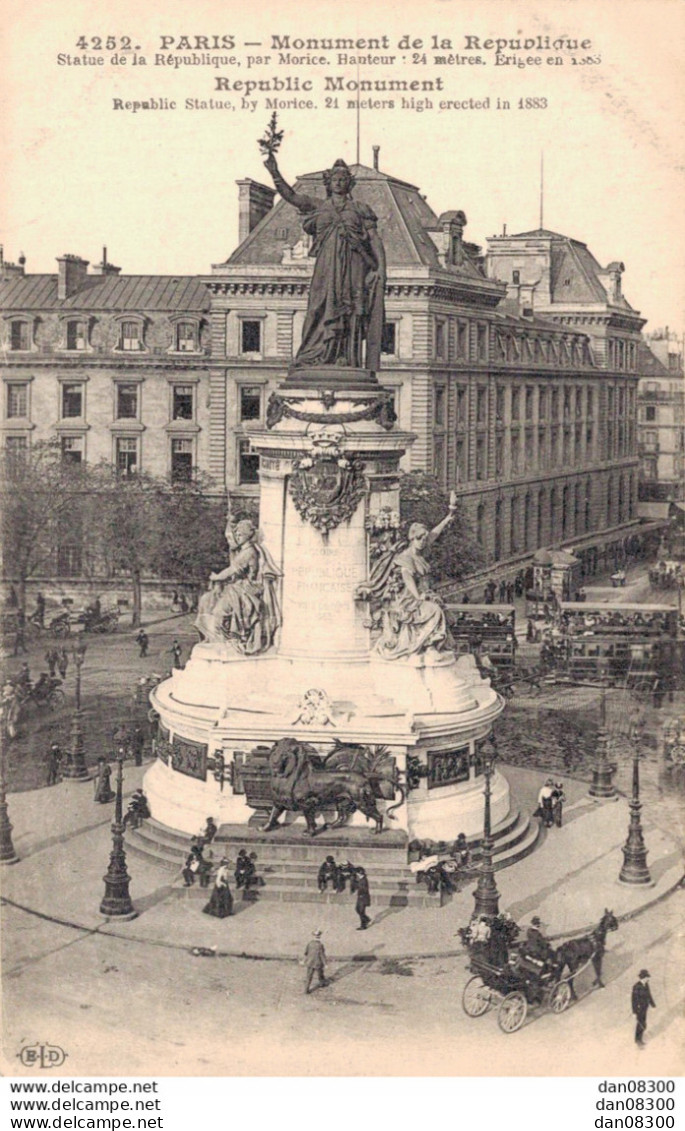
{"x": 324, "y": 688}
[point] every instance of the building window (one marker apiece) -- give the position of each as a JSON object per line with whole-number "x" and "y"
{"x": 440, "y": 339}
{"x": 439, "y": 458}
{"x": 481, "y": 469}
{"x": 482, "y": 343}
{"x": 529, "y": 453}
{"x": 590, "y": 403}
{"x": 186, "y": 337}
{"x": 462, "y": 340}
{"x": 499, "y": 404}
{"x": 72, "y": 449}
{"x": 513, "y": 524}
{"x": 181, "y": 461}
{"x": 127, "y": 402}
{"x": 76, "y": 336}
{"x": 17, "y": 401}
{"x": 526, "y": 522}
{"x": 461, "y": 405}
{"x": 516, "y": 278}
{"x": 650, "y": 413}
{"x": 72, "y": 401}
{"x": 529, "y": 404}
{"x": 480, "y": 523}
{"x": 131, "y": 336}
{"x": 499, "y": 455}
{"x": 16, "y": 448}
{"x": 248, "y": 464}
{"x": 515, "y": 404}
{"x": 541, "y": 516}
{"x": 462, "y": 468}
{"x": 69, "y": 561}
{"x": 439, "y": 405}
{"x": 649, "y": 439}
{"x": 126, "y": 455}
{"x": 182, "y": 407}
{"x": 498, "y": 530}
{"x": 481, "y": 406}
{"x": 250, "y": 403}
{"x": 389, "y": 338}
{"x": 555, "y": 404}
{"x": 250, "y": 336}
{"x": 515, "y": 453}
{"x": 542, "y": 404}
{"x": 20, "y": 335}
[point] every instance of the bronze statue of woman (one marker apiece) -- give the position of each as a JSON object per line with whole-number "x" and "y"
{"x": 347, "y": 291}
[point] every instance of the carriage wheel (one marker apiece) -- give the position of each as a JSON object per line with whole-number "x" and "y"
{"x": 476, "y": 997}
{"x": 61, "y": 629}
{"x": 56, "y": 699}
{"x": 561, "y": 997}
{"x": 512, "y": 1012}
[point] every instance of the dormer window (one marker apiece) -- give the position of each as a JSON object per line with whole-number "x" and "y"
{"x": 20, "y": 335}
{"x": 187, "y": 337}
{"x": 77, "y": 335}
{"x": 131, "y": 336}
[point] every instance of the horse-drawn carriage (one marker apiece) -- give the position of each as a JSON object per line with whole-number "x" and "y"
{"x": 512, "y": 980}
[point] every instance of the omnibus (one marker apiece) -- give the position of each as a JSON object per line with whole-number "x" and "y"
{"x": 618, "y": 642}
{"x": 484, "y": 628}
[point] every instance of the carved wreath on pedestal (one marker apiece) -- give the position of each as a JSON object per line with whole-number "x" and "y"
{"x": 326, "y": 488}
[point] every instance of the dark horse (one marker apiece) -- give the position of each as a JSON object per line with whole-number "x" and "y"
{"x": 348, "y": 779}
{"x": 576, "y": 952}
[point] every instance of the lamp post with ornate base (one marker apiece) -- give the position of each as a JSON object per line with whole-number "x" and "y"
{"x": 117, "y": 900}
{"x": 634, "y": 869}
{"x": 76, "y": 769}
{"x": 7, "y": 853}
{"x": 603, "y": 770}
{"x": 486, "y": 895}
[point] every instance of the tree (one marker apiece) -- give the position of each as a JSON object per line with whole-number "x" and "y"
{"x": 193, "y": 519}
{"x": 42, "y": 498}
{"x": 125, "y": 522}
{"x": 457, "y": 552}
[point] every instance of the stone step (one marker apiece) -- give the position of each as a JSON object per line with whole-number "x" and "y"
{"x": 401, "y": 895}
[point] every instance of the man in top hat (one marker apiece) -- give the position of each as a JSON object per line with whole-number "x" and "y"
{"x": 535, "y": 944}
{"x": 641, "y": 1001}
{"x": 53, "y": 761}
{"x": 314, "y": 961}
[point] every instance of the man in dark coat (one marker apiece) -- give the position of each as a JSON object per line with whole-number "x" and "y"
{"x": 53, "y": 760}
{"x": 329, "y": 873}
{"x": 314, "y": 961}
{"x": 361, "y": 886}
{"x": 641, "y": 1001}
{"x": 143, "y": 641}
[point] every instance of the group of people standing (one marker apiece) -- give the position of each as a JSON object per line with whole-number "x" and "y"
{"x": 551, "y": 804}
{"x": 338, "y": 876}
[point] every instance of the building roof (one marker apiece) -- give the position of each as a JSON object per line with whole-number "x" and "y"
{"x": 404, "y": 221}
{"x": 574, "y": 271}
{"x": 106, "y": 292}
{"x": 648, "y": 364}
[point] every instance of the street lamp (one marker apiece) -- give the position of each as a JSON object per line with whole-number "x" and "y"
{"x": 117, "y": 900}
{"x": 603, "y": 770}
{"x": 76, "y": 770}
{"x": 7, "y": 853}
{"x": 486, "y": 895}
{"x": 634, "y": 869}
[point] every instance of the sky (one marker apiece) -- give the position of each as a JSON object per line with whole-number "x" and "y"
{"x": 158, "y": 187}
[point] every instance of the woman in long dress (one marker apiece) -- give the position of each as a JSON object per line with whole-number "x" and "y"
{"x": 221, "y": 901}
{"x": 103, "y": 789}
{"x": 346, "y": 295}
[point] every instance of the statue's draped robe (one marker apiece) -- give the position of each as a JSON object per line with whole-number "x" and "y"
{"x": 242, "y": 605}
{"x": 347, "y": 291}
{"x": 411, "y": 624}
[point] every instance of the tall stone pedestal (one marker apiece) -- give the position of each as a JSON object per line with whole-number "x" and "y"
{"x": 329, "y": 463}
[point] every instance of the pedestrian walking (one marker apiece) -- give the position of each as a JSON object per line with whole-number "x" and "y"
{"x": 360, "y": 884}
{"x": 176, "y": 653}
{"x": 53, "y": 761}
{"x": 62, "y": 662}
{"x": 315, "y": 962}
{"x": 39, "y": 614}
{"x": 143, "y": 642}
{"x": 51, "y": 661}
{"x": 137, "y": 744}
{"x": 641, "y": 999}
{"x": 103, "y": 788}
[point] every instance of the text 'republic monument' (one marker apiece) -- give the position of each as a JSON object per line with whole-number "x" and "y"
{"x": 324, "y": 686}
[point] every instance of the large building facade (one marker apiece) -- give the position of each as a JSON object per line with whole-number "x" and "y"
{"x": 661, "y": 420}
{"x": 516, "y": 370}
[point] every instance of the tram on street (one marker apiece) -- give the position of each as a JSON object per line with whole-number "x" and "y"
{"x": 489, "y": 629}
{"x": 619, "y": 642}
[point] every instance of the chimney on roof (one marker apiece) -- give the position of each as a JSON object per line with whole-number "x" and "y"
{"x": 254, "y": 201}
{"x": 376, "y": 154}
{"x": 105, "y": 268}
{"x": 73, "y": 272}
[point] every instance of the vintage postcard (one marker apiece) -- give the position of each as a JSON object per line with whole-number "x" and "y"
{"x": 343, "y": 541}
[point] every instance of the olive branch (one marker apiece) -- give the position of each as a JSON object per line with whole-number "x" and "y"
{"x": 271, "y": 142}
